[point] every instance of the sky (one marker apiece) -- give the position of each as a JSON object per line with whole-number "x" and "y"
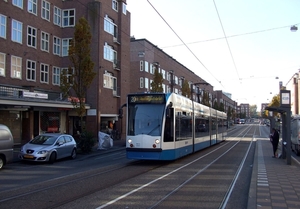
{"x": 238, "y": 46}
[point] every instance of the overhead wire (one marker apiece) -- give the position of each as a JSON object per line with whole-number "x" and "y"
{"x": 236, "y": 70}
{"x": 184, "y": 43}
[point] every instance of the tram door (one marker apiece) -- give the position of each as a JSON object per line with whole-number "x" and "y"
{"x": 169, "y": 126}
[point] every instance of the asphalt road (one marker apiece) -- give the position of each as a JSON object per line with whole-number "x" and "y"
{"x": 217, "y": 177}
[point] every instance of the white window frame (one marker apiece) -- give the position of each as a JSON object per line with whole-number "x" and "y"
{"x": 2, "y": 64}
{"x": 141, "y": 82}
{"x": 146, "y": 66}
{"x": 32, "y": 7}
{"x": 163, "y": 72}
{"x": 124, "y": 9}
{"x": 109, "y": 25}
{"x": 69, "y": 74}
{"x": 147, "y": 83}
{"x": 65, "y": 45}
{"x": 31, "y": 70}
{"x": 151, "y": 68}
{"x": 3, "y": 20}
{"x": 109, "y": 53}
{"x": 68, "y": 20}
{"x": 57, "y": 12}
{"x": 18, "y": 3}
{"x": 56, "y": 45}
{"x": 141, "y": 65}
{"x": 31, "y": 36}
{"x": 56, "y": 76}
{"x": 45, "y": 41}
{"x": 150, "y": 86}
{"x": 45, "y": 10}
{"x": 16, "y": 31}
{"x": 16, "y": 67}
{"x": 44, "y": 73}
{"x": 115, "y": 5}
{"x": 109, "y": 81}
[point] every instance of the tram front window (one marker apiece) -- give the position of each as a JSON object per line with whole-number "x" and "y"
{"x": 145, "y": 119}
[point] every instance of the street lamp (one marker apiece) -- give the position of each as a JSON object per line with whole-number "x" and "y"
{"x": 294, "y": 28}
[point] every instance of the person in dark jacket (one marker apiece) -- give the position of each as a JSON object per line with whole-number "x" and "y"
{"x": 274, "y": 137}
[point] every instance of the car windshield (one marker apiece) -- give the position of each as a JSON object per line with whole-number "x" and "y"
{"x": 44, "y": 140}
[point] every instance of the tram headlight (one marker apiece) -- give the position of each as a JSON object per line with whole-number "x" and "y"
{"x": 157, "y": 141}
{"x": 129, "y": 141}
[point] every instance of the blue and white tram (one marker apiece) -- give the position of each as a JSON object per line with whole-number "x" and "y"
{"x": 169, "y": 126}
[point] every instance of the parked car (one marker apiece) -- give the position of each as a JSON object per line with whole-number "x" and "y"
{"x": 6, "y": 146}
{"x": 49, "y": 147}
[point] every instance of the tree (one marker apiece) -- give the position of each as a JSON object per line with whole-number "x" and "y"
{"x": 156, "y": 84}
{"x": 205, "y": 99}
{"x": 79, "y": 76}
{"x": 253, "y": 110}
{"x": 186, "y": 90}
{"x": 274, "y": 103}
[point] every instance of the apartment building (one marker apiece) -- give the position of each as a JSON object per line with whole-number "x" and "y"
{"x": 34, "y": 39}
{"x": 146, "y": 57}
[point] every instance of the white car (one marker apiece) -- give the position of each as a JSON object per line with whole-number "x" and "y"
{"x": 49, "y": 147}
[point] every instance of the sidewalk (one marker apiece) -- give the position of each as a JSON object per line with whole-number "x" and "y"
{"x": 274, "y": 184}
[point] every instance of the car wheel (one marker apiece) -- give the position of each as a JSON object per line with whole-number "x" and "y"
{"x": 1, "y": 162}
{"x": 52, "y": 157}
{"x": 74, "y": 154}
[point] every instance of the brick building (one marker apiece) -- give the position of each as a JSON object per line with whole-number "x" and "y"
{"x": 34, "y": 39}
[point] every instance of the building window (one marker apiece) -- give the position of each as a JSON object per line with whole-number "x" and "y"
{"x": 163, "y": 72}
{"x": 66, "y": 42}
{"x": 147, "y": 83}
{"x": 56, "y": 45}
{"x": 109, "y": 53}
{"x": 124, "y": 8}
{"x": 57, "y": 16}
{"x": 141, "y": 82}
{"x": 31, "y": 36}
{"x": 109, "y": 81}
{"x": 45, "y": 41}
{"x": 152, "y": 68}
{"x": 18, "y": 3}
{"x": 67, "y": 73}
{"x": 16, "y": 67}
{"x": 56, "y": 76}
{"x": 30, "y": 70}
{"x": 109, "y": 25}
{"x": 141, "y": 65}
{"x": 146, "y": 66}
{"x": 115, "y": 5}
{"x": 2, "y": 64}
{"x": 16, "y": 31}
{"x": 2, "y": 26}
{"x": 45, "y": 10}
{"x": 32, "y": 7}
{"x": 68, "y": 18}
{"x": 44, "y": 73}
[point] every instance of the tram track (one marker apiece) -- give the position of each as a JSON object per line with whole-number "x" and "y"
{"x": 135, "y": 171}
{"x": 144, "y": 191}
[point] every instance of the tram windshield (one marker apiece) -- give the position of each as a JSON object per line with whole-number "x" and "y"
{"x": 145, "y": 119}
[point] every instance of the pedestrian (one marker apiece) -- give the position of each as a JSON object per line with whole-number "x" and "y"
{"x": 274, "y": 138}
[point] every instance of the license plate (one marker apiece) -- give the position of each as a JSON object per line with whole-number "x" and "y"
{"x": 28, "y": 156}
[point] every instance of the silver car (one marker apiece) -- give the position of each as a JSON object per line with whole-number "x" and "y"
{"x": 49, "y": 147}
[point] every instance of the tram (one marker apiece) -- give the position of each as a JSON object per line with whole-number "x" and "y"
{"x": 168, "y": 126}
